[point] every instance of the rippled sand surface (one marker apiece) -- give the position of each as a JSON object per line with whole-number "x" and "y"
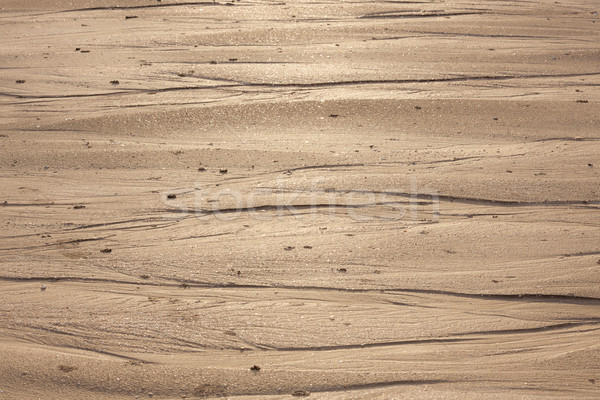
{"x": 328, "y": 200}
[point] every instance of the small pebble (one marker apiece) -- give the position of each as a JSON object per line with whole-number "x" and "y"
{"x": 300, "y": 393}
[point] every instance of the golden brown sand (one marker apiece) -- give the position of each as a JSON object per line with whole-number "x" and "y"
{"x": 373, "y": 200}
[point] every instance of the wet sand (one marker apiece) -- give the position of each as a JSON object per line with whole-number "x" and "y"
{"x": 365, "y": 200}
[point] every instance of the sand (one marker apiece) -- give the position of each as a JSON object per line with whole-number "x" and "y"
{"x": 328, "y": 200}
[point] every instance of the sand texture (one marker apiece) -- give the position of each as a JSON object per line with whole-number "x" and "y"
{"x": 300, "y": 199}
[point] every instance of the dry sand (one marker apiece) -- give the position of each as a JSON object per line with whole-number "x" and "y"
{"x": 464, "y": 135}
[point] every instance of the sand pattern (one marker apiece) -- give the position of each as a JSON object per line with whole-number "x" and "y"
{"x": 269, "y": 199}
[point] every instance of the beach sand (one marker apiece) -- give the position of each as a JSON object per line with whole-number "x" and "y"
{"x": 328, "y": 200}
